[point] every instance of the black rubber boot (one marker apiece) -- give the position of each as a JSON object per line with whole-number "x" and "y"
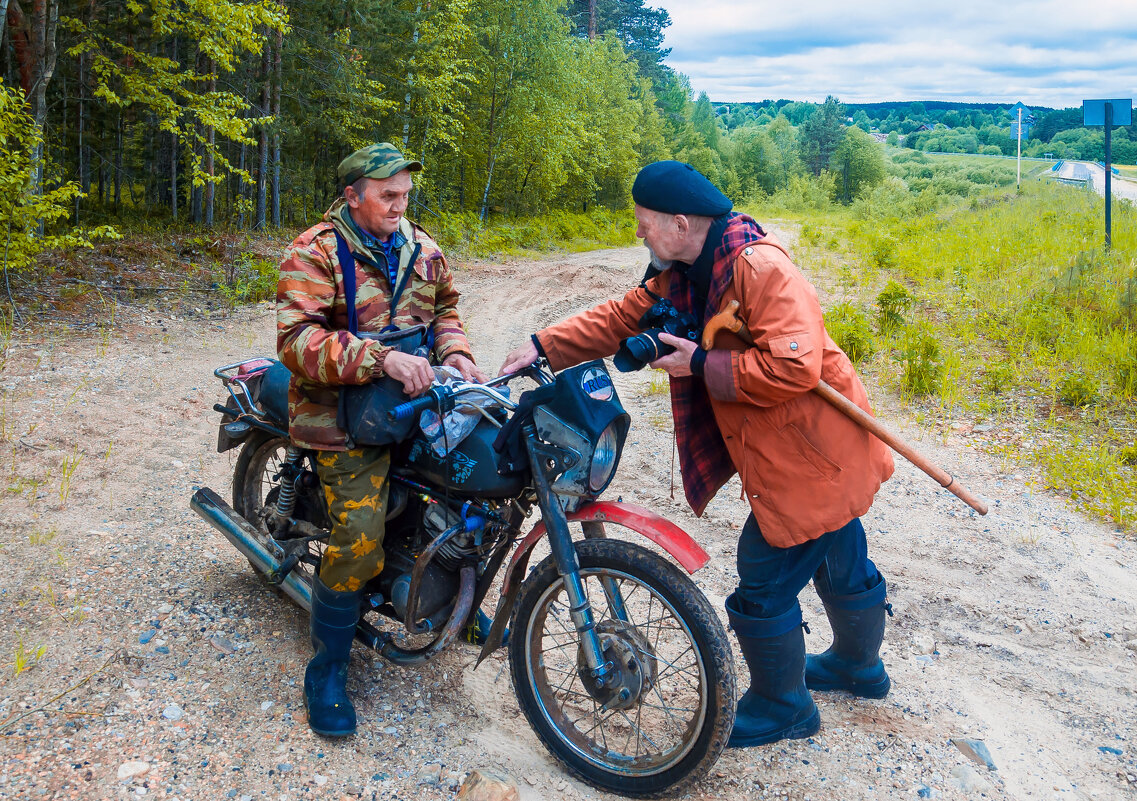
{"x": 777, "y": 706}
{"x": 852, "y": 663}
{"x": 334, "y": 615}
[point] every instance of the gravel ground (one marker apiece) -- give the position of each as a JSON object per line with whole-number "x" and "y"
{"x": 141, "y": 657}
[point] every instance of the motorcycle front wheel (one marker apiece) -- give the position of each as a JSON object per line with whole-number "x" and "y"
{"x": 667, "y": 720}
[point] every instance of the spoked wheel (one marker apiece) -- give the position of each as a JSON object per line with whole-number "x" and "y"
{"x": 667, "y": 718}
{"x": 256, "y": 484}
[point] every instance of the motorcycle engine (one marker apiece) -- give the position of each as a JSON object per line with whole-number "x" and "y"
{"x": 439, "y": 585}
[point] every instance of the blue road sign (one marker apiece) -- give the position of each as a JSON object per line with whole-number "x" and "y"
{"x": 1093, "y": 111}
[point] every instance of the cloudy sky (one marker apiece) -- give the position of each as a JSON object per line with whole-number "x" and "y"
{"x": 1043, "y": 52}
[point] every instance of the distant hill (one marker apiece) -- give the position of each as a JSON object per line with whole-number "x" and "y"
{"x": 887, "y": 107}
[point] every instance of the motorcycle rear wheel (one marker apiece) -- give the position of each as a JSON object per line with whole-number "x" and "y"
{"x": 678, "y": 720}
{"x": 256, "y": 481}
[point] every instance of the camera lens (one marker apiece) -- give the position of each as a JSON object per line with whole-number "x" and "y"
{"x": 638, "y": 351}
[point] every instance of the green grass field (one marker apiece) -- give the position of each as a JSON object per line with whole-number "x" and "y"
{"x": 987, "y": 305}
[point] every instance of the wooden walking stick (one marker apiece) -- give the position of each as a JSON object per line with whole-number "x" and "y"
{"x": 728, "y": 320}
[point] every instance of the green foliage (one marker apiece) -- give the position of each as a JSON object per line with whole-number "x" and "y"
{"x": 850, "y": 329}
{"x": 24, "y": 658}
{"x": 1031, "y": 317}
{"x": 1077, "y": 389}
{"x": 23, "y": 211}
{"x": 462, "y": 235}
{"x": 247, "y": 279}
{"x": 998, "y": 377}
{"x": 805, "y": 192}
{"x": 180, "y": 92}
{"x": 1096, "y": 476}
{"x": 894, "y": 300}
{"x": 1127, "y": 455}
{"x": 922, "y": 361}
{"x": 821, "y": 133}
{"x": 858, "y": 164}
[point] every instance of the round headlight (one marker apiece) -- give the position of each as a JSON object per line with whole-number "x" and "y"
{"x": 604, "y": 459}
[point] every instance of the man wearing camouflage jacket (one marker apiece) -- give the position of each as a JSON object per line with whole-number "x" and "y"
{"x": 314, "y": 342}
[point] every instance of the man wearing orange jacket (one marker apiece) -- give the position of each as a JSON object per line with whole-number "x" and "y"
{"x": 807, "y": 471}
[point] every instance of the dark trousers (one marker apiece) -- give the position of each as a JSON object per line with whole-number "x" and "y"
{"x": 769, "y": 578}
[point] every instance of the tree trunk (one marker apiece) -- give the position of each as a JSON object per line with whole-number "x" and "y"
{"x": 118, "y": 163}
{"x": 210, "y": 186}
{"x": 3, "y": 18}
{"x": 33, "y": 39}
{"x": 174, "y": 150}
{"x": 199, "y": 135}
{"x": 241, "y": 188}
{"x": 262, "y": 144}
{"x": 84, "y": 166}
{"x": 277, "y": 75}
{"x": 591, "y": 19}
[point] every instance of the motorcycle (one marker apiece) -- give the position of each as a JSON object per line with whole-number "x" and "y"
{"x": 618, "y": 661}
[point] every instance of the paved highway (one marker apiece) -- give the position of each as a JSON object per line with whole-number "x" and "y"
{"x": 1120, "y": 187}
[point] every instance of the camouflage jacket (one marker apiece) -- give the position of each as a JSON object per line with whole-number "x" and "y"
{"x": 311, "y": 319}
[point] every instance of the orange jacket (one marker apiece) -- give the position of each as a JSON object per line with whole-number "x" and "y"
{"x": 805, "y": 467}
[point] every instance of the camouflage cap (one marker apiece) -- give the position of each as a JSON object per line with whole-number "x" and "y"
{"x": 374, "y": 161}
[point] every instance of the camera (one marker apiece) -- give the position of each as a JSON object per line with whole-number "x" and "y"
{"x": 638, "y": 351}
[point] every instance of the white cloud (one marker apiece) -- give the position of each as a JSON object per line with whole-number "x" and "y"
{"x": 1044, "y": 53}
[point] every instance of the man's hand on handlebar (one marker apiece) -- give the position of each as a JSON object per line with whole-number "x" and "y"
{"x": 413, "y": 372}
{"x": 519, "y": 358}
{"x": 465, "y": 365}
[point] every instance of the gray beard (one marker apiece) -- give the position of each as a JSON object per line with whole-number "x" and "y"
{"x": 656, "y": 262}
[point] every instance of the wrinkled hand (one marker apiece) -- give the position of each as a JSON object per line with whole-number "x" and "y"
{"x": 413, "y": 372}
{"x": 677, "y": 363}
{"x": 465, "y": 365}
{"x": 519, "y": 358}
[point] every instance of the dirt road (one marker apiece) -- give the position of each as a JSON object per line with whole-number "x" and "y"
{"x": 168, "y": 670}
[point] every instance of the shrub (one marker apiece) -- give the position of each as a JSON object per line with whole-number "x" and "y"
{"x": 806, "y": 192}
{"x": 851, "y": 331}
{"x": 883, "y": 252}
{"x": 997, "y": 378}
{"x": 248, "y": 279}
{"x": 1126, "y": 373}
{"x": 922, "y": 361}
{"x": 1077, "y": 389}
{"x": 1127, "y": 454}
{"x": 892, "y": 302}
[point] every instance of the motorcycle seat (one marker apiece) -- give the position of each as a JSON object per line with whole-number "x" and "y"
{"x": 274, "y": 393}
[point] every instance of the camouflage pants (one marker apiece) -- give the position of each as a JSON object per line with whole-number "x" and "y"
{"x": 355, "y": 487}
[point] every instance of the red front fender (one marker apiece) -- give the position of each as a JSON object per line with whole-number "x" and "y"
{"x": 659, "y": 530}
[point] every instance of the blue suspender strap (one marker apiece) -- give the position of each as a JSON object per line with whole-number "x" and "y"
{"x": 347, "y": 266}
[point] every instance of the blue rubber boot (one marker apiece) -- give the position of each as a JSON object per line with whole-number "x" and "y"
{"x": 334, "y": 615}
{"x": 777, "y": 706}
{"x": 852, "y": 663}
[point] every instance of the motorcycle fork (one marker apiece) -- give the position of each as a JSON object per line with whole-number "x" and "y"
{"x": 595, "y": 531}
{"x": 545, "y": 461}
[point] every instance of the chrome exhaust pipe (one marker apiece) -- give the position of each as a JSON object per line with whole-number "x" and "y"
{"x": 265, "y": 557}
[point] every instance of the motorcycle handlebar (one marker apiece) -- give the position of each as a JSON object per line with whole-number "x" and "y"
{"x": 442, "y": 398}
{"x": 432, "y": 398}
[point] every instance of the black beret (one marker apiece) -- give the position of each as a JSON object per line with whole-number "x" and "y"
{"x": 674, "y": 187}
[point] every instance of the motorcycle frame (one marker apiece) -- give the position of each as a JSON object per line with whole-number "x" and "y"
{"x": 546, "y": 463}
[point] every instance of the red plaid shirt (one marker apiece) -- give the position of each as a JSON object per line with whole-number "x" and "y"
{"x": 703, "y": 459}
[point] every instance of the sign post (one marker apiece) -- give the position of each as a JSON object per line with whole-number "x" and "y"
{"x": 1019, "y": 156}
{"x": 1108, "y": 113}
{"x": 1023, "y": 115}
